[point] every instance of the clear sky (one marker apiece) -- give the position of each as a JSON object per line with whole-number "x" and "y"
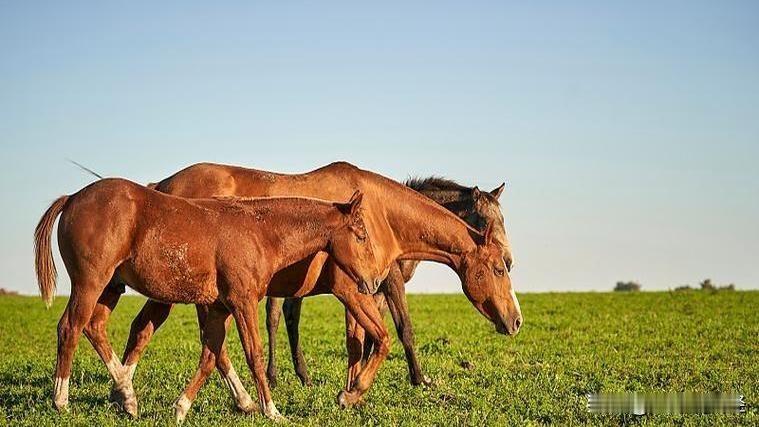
{"x": 627, "y": 132}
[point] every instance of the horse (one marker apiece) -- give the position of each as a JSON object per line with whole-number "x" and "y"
{"x": 476, "y": 207}
{"x": 211, "y": 252}
{"x": 407, "y": 226}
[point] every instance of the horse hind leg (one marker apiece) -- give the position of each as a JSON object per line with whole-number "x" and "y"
{"x": 95, "y": 331}
{"x": 151, "y": 317}
{"x": 214, "y": 321}
{"x": 245, "y": 313}
{"x": 79, "y": 310}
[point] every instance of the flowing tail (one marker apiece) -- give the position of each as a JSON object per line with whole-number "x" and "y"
{"x": 43, "y": 252}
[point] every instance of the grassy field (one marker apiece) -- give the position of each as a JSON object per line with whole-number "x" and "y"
{"x": 570, "y": 345}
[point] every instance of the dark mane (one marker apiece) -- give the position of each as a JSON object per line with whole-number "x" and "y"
{"x": 435, "y": 183}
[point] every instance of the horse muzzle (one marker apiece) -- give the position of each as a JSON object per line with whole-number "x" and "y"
{"x": 508, "y": 327}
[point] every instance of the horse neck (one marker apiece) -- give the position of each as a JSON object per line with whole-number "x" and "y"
{"x": 296, "y": 233}
{"x": 458, "y": 202}
{"x": 427, "y": 231}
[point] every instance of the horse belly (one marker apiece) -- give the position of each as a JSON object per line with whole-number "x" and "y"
{"x": 171, "y": 274}
{"x": 298, "y": 279}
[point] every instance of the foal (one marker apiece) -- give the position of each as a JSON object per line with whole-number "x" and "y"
{"x": 220, "y": 252}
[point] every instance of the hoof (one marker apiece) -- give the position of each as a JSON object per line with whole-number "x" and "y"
{"x": 346, "y": 399}
{"x": 277, "y": 418}
{"x": 342, "y": 400}
{"x": 427, "y": 381}
{"x": 181, "y": 407}
{"x": 130, "y": 407}
{"x": 249, "y": 407}
{"x": 424, "y": 380}
{"x": 305, "y": 380}
{"x": 272, "y": 378}
{"x": 179, "y": 416}
{"x": 273, "y": 414}
{"x": 125, "y": 399}
{"x": 62, "y": 406}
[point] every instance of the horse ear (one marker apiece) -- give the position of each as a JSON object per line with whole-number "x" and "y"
{"x": 475, "y": 193}
{"x": 355, "y": 202}
{"x": 351, "y": 206}
{"x": 497, "y": 192}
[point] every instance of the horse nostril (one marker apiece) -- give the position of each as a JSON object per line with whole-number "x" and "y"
{"x": 517, "y": 323}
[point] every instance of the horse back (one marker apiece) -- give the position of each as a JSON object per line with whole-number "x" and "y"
{"x": 336, "y": 181}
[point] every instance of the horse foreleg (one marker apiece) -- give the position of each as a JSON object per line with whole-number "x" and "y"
{"x": 292, "y": 308}
{"x": 223, "y": 365}
{"x": 366, "y": 314}
{"x": 245, "y": 312}
{"x": 354, "y": 344}
{"x": 213, "y": 321}
{"x": 381, "y": 302}
{"x": 395, "y": 292}
{"x": 273, "y": 314}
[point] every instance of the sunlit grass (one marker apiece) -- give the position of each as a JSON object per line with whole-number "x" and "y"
{"x": 570, "y": 345}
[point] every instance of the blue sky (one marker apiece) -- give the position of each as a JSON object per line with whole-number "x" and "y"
{"x": 628, "y": 132}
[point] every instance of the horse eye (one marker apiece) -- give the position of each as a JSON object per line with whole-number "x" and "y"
{"x": 499, "y": 271}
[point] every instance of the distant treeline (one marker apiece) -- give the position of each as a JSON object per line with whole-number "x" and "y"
{"x": 627, "y": 287}
{"x": 705, "y": 285}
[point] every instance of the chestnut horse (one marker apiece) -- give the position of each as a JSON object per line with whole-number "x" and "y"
{"x": 477, "y": 208}
{"x": 220, "y": 252}
{"x": 404, "y": 225}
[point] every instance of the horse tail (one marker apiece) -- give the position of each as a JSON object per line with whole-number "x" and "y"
{"x": 43, "y": 253}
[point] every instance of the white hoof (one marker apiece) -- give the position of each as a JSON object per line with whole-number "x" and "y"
{"x": 130, "y": 407}
{"x": 181, "y": 407}
{"x": 242, "y": 399}
{"x": 123, "y": 395}
{"x": 61, "y": 406}
{"x": 61, "y": 394}
{"x": 247, "y": 407}
{"x": 273, "y": 414}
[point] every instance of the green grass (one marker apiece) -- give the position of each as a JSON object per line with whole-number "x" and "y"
{"x": 570, "y": 345}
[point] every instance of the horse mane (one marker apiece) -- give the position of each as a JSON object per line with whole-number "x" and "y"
{"x": 250, "y": 200}
{"x": 434, "y": 183}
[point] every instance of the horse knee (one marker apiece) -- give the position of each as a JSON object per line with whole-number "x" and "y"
{"x": 383, "y": 346}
